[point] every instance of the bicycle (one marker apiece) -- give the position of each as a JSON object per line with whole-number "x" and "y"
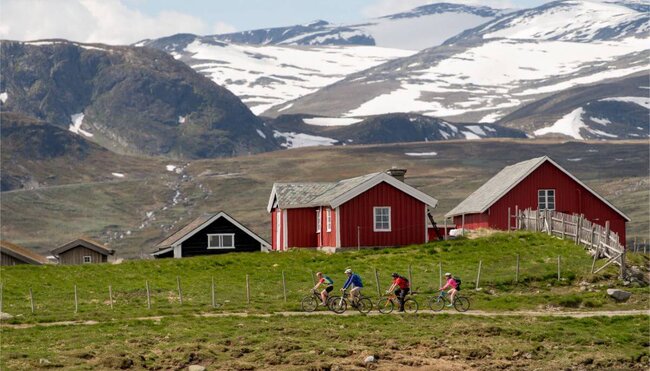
{"x": 386, "y": 304}
{"x": 437, "y": 303}
{"x": 339, "y": 304}
{"x": 310, "y": 302}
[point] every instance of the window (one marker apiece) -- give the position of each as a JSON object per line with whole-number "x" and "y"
{"x": 88, "y": 259}
{"x": 382, "y": 219}
{"x": 329, "y": 220}
{"x": 221, "y": 241}
{"x": 546, "y": 199}
{"x": 318, "y": 221}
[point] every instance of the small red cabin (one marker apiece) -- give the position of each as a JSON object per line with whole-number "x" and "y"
{"x": 377, "y": 209}
{"x": 539, "y": 183}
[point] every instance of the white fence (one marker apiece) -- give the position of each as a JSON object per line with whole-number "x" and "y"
{"x": 599, "y": 240}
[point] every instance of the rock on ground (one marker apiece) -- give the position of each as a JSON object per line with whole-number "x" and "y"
{"x": 619, "y": 295}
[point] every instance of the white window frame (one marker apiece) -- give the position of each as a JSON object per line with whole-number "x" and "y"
{"x": 329, "y": 220}
{"x": 543, "y": 194}
{"x": 318, "y": 221}
{"x": 374, "y": 219}
{"x": 220, "y": 235}
{"x": 90, "y": 259}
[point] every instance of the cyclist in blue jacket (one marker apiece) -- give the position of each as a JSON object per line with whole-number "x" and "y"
{"x": 355, "y": 284}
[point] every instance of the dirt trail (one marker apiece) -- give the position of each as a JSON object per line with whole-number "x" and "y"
{"x": 479, "y": 313}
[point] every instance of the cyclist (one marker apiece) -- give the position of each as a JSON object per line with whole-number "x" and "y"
{"x": 452, "y": 285}
{"x": 354, "y": 281}
{"x": 402, "y": 286}
{"x": 329, "y": 286}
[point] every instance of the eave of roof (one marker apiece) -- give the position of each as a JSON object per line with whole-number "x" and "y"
{"x": 22, "y": 253}
{"x": 85, "y": 242}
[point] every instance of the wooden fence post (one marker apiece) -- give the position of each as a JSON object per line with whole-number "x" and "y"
{"x": 558, "y": 267}
{"x": 284, "y": 287}
{"x": 509, "y": 221}
{"x": 76, "y": 302}
{"x": 213, "y": 295}
{"x": 517, "y": 271}
{"x": 536, "y": 216}
{"x": 578, "y": 229}
{"x": 549, "y": 221}
{"x": 377, "y": 282}
{"x": 31, "y": 299}
{"x": 563, "y": 226}
{"x": 180, "y": 291}
{"x": 478, "y": 275}
{"x": 313, "y": 277}
{"x": 591, "y": 240}
{"x": 1, "y": 288}
{"x": 410, "y": 275}
{"x": 622, "y": 262}
{"x": 607, "y": 233}
{"x": 440, "y": 271}
{"x": 110, "y": 296}
{"x": 148, "y": 295}
{"x": 517, "y": 217}
{"x": 645, "y": 246}
{"x": 248, "y": 290}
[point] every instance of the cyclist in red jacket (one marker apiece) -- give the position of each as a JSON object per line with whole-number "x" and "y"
{"x": 452, "y": 285}
{"x": 402, "y": 286}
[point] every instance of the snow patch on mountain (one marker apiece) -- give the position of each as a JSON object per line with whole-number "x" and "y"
{"x": 421, "y": 154}
{"x": 3, "y": 97}
{"x": 331, "y": 121}
{"x": 261, "y": 133}
{"x": 601, "y": 121}
{"x": 569, "y": 125}
{"x": 266, "y": 76}
{"x": 297, "y": 140}
{"x": 641, "y": 101}
{"x": 75, "y": 127}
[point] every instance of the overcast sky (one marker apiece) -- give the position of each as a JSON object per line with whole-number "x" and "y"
{"x": 128, "y": 21}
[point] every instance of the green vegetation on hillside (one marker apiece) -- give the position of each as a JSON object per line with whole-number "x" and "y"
{"x": 53, "y": 286}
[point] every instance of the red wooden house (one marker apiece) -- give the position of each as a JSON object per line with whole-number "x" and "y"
{"x": 539, "y": 184}
{"x": 377, "y": 209}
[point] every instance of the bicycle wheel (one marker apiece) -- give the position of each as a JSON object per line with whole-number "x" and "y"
{"x": 411, "y": 306}
{"x": 385, "y": 305}
{"x": 338, "y": 305}
{"x": 309, "y": 303}
{"x": 364, "y": 305}
{"x": 437, "y": 303}
{"x": 461, "y": 304}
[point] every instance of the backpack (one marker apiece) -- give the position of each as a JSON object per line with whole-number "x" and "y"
{"x": 404, "y": 278}
{"x": 458, "y": 282}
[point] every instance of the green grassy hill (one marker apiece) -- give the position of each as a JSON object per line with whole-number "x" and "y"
{"x": 53, "y": 286}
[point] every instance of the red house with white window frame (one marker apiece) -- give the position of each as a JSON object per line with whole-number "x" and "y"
{"x": 539, "y": 183}
{"x": 377, "y": 209}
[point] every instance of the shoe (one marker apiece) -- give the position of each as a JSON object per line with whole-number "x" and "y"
{"x": 401, "y": 311}
{"x": 450, "y": 305}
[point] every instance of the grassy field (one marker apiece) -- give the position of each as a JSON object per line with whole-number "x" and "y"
{"x": 116, "y": 212}
{"x": 441, "y": 342}
{"x": 53, "y": 286}
{"x": 173, "y": 336}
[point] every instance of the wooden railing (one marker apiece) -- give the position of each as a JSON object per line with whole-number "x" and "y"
{"x": 599, "y": 240}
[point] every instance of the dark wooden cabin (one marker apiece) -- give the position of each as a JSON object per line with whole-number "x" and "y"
{"x": 12, "y": 254}
{"x": 210, "y": 234}
{"x": 82, "y": 251}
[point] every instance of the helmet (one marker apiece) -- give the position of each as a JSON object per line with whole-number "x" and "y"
{"x": 447, "y": 274}
{"x": 394, "y": 275}
{"x": 319, "y": 273}
{"x": 348, "y": 271}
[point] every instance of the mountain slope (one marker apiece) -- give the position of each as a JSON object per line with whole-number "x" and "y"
{"x": 479, "y": 77}
{"x": 266, "y": 76}
{"x": 36, "y": 154}
{"x": 305, "y": 130}
{"x": 422, "y": 27}
{"x": 130, "y": 100}
{"x": 617, "y": 109}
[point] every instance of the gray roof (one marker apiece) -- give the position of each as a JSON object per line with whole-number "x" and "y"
{"x": 496, "y": 187}
{"x": 508, "y": 178}
{"x": 297, "y": 195}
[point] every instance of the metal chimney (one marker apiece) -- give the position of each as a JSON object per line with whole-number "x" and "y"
{"x": 397, "y": 173}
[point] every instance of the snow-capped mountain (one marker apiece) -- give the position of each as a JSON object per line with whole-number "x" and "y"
{"x": 270, "y": 75}
{"x": 495, "y": 68}
{"x": 423, "y": 27}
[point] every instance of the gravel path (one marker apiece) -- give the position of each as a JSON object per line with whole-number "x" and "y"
{"x": 478, "y": 313}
